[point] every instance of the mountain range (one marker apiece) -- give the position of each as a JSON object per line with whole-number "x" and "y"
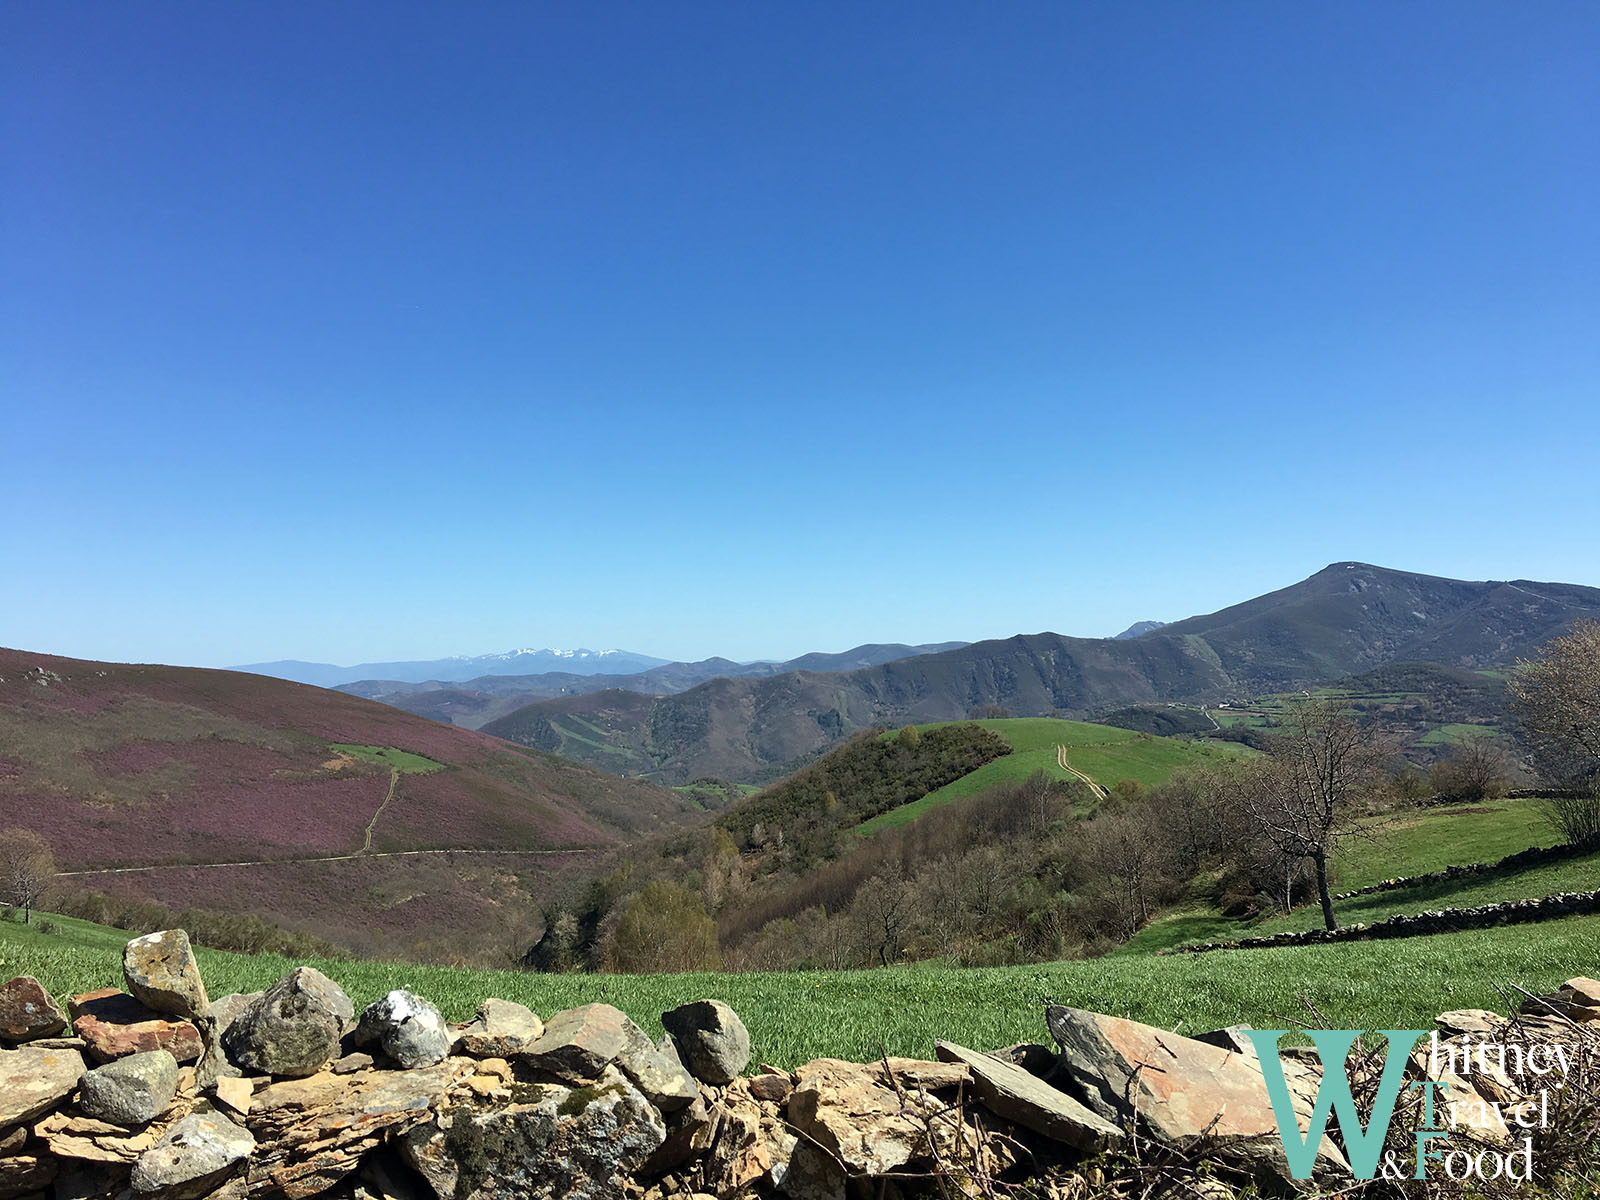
{"x": 1346, "y": 619}
{"x": 476, "y": 702}
{"x": 512, "y": 662}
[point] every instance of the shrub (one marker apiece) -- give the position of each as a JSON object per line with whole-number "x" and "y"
{"x": 664, "y": 928}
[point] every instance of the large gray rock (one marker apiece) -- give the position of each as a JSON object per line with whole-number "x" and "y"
{"x": 501, "y": 1029}
{"x": 579, "y": 1044}
{"x": 293, "y": 1029}
{"x": 132, "y": 1090}
{"x": 27, "y": 1012}
{"x": 407, "y": 1028}
{"x": 565, "y": 1144}
{"x": 1185, "y": 1093}
{"x": 656, "y": 1070}
{"x": 226, "y": 1009}
{"x": 1008, "y": 1091}
{"x": 162, "y": 973}
{"x": 196, "y": 1155}
{"x": 33, "y": 1081}
{"x": 711, "y": 1039}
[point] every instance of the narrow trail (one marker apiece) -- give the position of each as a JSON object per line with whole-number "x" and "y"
{"x": 1061, "y": 761}
{"x": 321, "y": 858}
{"x": 394, "y": 782}
{"x": 1204, "y": 712}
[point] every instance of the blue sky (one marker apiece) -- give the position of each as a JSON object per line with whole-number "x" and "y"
{"x": 375, "y": 331}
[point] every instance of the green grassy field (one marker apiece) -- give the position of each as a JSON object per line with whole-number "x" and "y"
{"x": 856, "y": 1014}
{"x": 1105, "y": 754}
{"x": 403, "y": 761}
{"x": 1413, "y": 843}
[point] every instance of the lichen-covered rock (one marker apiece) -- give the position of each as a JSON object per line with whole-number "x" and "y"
{"x": 113, "y": 1024}
{"x": 407, "y": 1028}
{"x": 33, "y": 1080}
{"x": 196, "y": 1155}
{"x": 566, "y": 1144}
{"x": 293, "y": 1029}
{"x": 711, "y": 1039}
{"x": 501, "y": 1029}
{"x": 656, "y": 1070}
{"x": 130, "y": 1091}
{"x": 161, "y": 972}
{"x": 27, "y": 1012}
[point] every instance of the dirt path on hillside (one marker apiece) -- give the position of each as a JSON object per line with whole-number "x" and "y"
{"x": 1061, "y": 761}
{"x": 394, "y": 782}
{"x": 283, "y": 862}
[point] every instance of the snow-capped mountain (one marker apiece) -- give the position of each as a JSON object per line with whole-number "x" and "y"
{"x": 460, "y": 667}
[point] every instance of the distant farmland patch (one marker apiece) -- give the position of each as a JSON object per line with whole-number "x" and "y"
{"x": 403, "y": 761}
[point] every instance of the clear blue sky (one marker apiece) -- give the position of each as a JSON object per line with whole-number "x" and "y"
{"x": 369, "y": 331}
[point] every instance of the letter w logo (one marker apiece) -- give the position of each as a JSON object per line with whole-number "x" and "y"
{"x": 1333, "y": 1095}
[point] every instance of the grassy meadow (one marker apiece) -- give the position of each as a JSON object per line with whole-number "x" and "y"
{"x": 795, "y": 1016}
{"x": 1106, "y": 754}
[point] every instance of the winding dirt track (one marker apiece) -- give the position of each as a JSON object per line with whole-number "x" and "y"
{"x": 280, "y": 862}
{"x": 1061, "y": 761}
{"x": 394, "y": 782}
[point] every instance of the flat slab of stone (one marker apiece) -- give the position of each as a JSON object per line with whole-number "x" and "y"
{"x": 1183, "y": 1091}
{"x": 1470, "y": 1020}
{"x": 313, "y": 1132}
{"x": 114, "y": 1024}
{"x": 84, "y": 1140}
{"x": 33, "y": 1081}
{"x": 1585, "y": 991}
{"x": 912, "y": 1073}
{"x": 27, "y": 1012}
{"x": 1007, "y": 1090}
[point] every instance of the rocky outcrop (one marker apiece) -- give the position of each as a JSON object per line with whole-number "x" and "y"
{"x": 35, "y": 1080}
{"x": 586, "y": 1105}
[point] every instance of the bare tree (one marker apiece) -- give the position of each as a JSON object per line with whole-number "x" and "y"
{"x": 1302, "y": 801}
{"x": 1556, "y": 700}
{"x": 1476, "y": 769}
{"x": 27, "y": 869}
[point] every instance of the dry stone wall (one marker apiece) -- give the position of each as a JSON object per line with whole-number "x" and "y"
{"x": 163, "y": 1094}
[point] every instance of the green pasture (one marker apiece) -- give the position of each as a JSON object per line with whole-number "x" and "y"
{"x": 403, "y": 761}
{"x": 796, "y": 1016}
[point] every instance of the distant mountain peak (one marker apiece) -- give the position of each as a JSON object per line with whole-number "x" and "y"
{"x": 1139, "y": 629}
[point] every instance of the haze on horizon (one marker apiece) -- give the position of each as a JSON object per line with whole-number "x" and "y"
{"x": 371, "y": 332}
